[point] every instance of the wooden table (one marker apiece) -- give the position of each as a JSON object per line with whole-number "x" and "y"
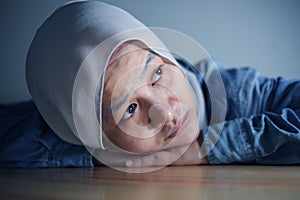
{"x": 198, "y": 182}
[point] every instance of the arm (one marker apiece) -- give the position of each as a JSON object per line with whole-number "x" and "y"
{"x": 268, "y": 138}
{"x": 27, "y": 141}
{"x": 262, "y": 123}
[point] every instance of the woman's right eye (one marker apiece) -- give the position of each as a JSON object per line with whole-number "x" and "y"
{"x": 130, "y": 111}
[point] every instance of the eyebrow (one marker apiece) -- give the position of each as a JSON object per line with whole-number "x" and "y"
{"x": 150, "y": 57}
{"x": 118, "y": 104}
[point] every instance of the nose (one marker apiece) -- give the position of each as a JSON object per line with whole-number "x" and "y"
{"x": 159, "y": 108}
{"x": 160, "y": 115}
{"x": 163, "y": 110}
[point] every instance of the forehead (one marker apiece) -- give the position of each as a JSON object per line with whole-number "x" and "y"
{"x": 126, "y": 58}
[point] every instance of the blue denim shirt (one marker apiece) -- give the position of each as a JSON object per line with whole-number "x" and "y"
{"x": 27, "y": 141}
{"x": 262, "y": 123}
{"x": 262, "y": 126}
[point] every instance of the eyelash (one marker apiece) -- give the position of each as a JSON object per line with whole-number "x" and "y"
{"x": 158, "y": 69}
{"x": 132, "y": 107}
{"x": 128, "y": 111}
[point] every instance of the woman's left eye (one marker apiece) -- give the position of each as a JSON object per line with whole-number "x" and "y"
{"x": 157, "y": 73}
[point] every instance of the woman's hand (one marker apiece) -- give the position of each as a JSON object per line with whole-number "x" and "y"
{"x": 184, "y": 155}
{"x": 190, "y": 155}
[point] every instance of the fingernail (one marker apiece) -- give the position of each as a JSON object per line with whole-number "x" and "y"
{"x": 128, "y": 163}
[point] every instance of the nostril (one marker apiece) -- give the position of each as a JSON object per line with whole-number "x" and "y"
{"x": 157, "y": 115}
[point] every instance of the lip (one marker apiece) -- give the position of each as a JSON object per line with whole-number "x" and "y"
{"x": 182, "y": 124}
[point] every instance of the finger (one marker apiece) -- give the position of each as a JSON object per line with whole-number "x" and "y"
{"x": 112, "y": 159}
{"x": 160, "y": 158}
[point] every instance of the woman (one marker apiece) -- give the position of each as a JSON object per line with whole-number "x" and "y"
{"x": 100, "y": 78}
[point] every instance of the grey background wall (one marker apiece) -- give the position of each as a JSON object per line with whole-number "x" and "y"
{"x": 263, "y": 34}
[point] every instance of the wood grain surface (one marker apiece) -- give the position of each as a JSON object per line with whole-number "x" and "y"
{"x": 195, "y": 182}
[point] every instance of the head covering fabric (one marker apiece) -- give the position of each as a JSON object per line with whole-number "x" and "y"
{"x": 66, "y": 63}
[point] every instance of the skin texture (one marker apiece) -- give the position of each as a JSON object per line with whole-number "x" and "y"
{"x": 158, "y": 111}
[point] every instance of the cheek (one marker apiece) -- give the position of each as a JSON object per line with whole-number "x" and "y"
{"x": 178, "y": 84}
{"x": 140, "y": 119}
{"x": 128, "y": 142}
{"x": 184, "y": 89}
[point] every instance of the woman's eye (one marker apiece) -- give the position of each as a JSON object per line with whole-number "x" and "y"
{"x": 130, "y": 111}
{"x": 157, "y": 74}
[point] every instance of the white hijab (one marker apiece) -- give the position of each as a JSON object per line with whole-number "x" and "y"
{"x": 66, "y": 63}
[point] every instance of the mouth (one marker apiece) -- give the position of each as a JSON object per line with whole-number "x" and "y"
{"x": 182, "y": 124}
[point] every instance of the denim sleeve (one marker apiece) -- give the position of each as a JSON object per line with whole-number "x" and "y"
{"x": 27, "y": 141}
{"x": 268, "y": 138}
{"x": 262, "y": 124}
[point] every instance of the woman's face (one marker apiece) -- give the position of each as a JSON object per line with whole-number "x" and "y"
{"x": 148, "y": 104}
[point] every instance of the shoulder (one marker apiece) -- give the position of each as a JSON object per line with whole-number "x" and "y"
{"x": 214, "y": 71}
